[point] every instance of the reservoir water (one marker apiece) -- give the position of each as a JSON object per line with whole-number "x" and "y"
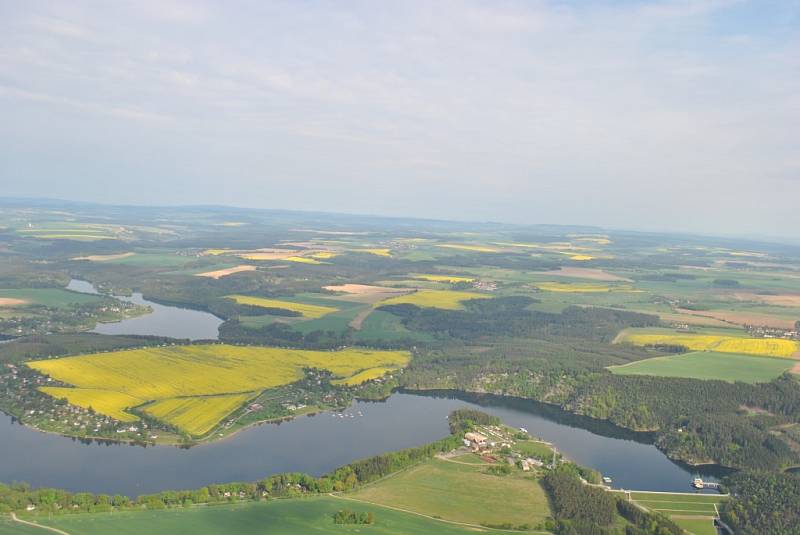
{"x": 164, "y": 320}
{"x": 315, "y": 444}
{"x": 323, "y": 442}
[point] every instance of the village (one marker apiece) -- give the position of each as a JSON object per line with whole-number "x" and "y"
{"x": 20, "y": 395}
{"x": 501, "y": 445}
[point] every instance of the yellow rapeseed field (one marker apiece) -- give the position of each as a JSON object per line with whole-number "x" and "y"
{"x": 302, "y": 260}
{"x": 435, "y": 299}
{"x": 363, "y": 377}
{"x": 443, "y": 278}
{"x": 196, "y": 415}
{"x": 568, "y": 287}
{"x": 770, "y": 347}
{"x": 307, "y": 311}
{"x": 106, "y": 402}
{"x": 324, "y": 255}
{"x": 135, "y": 376}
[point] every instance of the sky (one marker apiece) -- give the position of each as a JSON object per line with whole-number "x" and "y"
{"x": 667, "y": 115}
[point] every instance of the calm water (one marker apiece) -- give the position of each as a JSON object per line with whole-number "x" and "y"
{"x": 314, "y": 445}
{"x": 165, "y": 320}
{"x": 318, "y": 444}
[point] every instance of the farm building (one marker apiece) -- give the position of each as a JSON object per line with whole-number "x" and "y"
{"x": 476, "y": 440}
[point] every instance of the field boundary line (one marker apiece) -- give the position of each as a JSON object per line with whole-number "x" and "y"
{"x": 674, "y": 501}
{"x": 681, "y": 511}
{"x": 676, "y": 493}
{"x": 466, "y": 524}
{"x": 448, "y": 460}
{"x": 34, "y": 524}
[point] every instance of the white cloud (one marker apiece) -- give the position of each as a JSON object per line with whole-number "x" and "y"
{"x": 624, "y": 114}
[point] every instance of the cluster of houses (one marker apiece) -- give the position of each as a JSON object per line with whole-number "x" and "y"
{"x": 772, "y": 332}
{"x": 486, "y": 286}
{"x": 527, "y": 464}
{"x": 479, "y": 443}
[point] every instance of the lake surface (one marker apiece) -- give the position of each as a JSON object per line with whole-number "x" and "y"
{"x": 316, "y": 444}
{"x": 320, "y": 443}
{"x": 175, "y": 322}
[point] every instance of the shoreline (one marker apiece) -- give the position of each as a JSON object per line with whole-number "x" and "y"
{"x": 645, "y": 437}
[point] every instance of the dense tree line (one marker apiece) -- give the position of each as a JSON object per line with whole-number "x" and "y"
{"x": 644, "y": 522}
{"x": 763, "y": 503}
{"x": 574, "y": 502}
{"x": 43, "y": 346}
{"x": 699, "y": 421}
{"x": 463, "y": 420}
{"x": 696, "y": 421}
{"x": 581, "y": 509}
{"x": 346, "y": 516}
{"x": 280, "y": 334}
{"x": 509, "y": 316}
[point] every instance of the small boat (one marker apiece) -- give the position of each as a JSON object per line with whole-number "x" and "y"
{"x": 697, "y": 483}
{"x": 607, "y": 480}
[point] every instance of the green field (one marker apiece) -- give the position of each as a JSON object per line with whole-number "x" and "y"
{"x": 671, "y": 497}
{"x": 462, "y": 493}
{"x": 51, "y": 297}
{"x": 680, "y": 506}
{"x": 280, "y": 517}
{"x": 697, "y": 526}
{"x": 693, "y": 512}
{"x": 709, "y": 365}
{"x": 154, "y": 260}
{"x": 9, "y": 527}
{"x": 381, "y": 325}
{"x": 540, "y": 450}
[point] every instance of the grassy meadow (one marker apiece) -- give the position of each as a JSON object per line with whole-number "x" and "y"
{"x": 51, "y": 297}
{"x": 278, "y": 517}
{"x": 111, "y": 383}
{"x": 709, "y": 365}
{"x": 697, "y": 526}
{"x": 9, "y": 527}
{"x": 693, "y": 512}
{"x": 462, "y": 493}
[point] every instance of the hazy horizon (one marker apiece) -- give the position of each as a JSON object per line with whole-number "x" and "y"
{"x": 654, "y": 116}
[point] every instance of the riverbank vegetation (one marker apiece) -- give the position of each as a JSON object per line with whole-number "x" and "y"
{"x": 442, "y": 483}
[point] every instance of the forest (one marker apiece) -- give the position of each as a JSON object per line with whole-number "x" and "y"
{"x": 763, "y": 503}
